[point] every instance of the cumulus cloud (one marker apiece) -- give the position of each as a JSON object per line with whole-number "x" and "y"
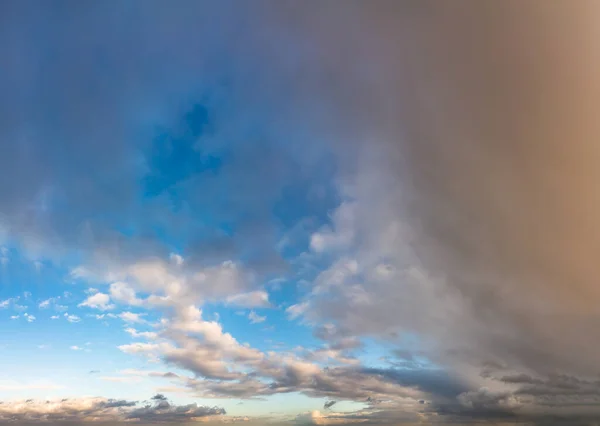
{"x": 143, "y": 334}
{"x": 71, "y": 317}
{"x": 100, "y": 301}
{"x": 121, "y": 292}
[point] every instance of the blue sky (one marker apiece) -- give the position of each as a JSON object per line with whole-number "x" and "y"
{"x": 282, "y": 212}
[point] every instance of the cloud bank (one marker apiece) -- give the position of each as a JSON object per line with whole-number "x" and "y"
{"x": 455, "y": 147}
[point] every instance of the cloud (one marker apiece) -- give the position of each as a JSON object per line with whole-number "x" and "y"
{"x": 255, "y": 318}
{"x": 163, "y": 411}
{"x": 465, "y": 173}
{"x": 132, "y": 317}
{"x": 71, "y": 318}
{"x": 145, "y": 334}
{"x": 10, "y": 302}
{"x": 101, "y": 409}
{"x": 176, "y": 259}
{"x": 29, "y": 317}
{"x": 159, "y": 397}
{"x": 296, "y": 310}
{"x": 121, "y": 292}
{"x": 329, "y": 404}
{"x": 45, "y": 304}
{"x": 253, "y": 299}
{"x": 100, "y": 301}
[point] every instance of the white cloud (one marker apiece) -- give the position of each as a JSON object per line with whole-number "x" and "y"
{"x": 45, "y": 304}
{"x": 72, "y": 318}
{"x": 255, "y": 318}
{"x": 14, "y": 317}
{"x": 176, "y": 259}
{"x": 137, "y": 348}
{"x": 28, "y": 317}
{"x": 132, "y": 317}
{"x": 145, "y": 334}
{"x": 253, "y": 299}
{"x": 53, "y": 317}
{"x": 296, "y": 310}
{"x": 75, "y": 348}
{"x": 122, "y": 292}
{"x": 100, "y": 301}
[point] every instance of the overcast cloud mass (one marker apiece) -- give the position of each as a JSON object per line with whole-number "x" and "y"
{"x": 278, "y": 212}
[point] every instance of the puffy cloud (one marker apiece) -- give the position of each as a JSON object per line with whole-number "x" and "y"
{"x": 71, "y": 317}
{"x": 144, "y": 334}
{"x": 121, "y": 292}
{"x": 100, "y": 301}
{"x": 132, "y": 317}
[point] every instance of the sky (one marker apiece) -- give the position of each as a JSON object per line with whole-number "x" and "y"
{"x": 299, "y": 213}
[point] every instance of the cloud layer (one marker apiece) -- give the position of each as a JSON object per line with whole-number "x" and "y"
{"x": 427, "y": 172}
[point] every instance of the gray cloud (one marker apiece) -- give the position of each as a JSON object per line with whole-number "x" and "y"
{"x": 98, "y": 410}
{"x": 464, "y": 148}
{"x": 329, "y": 404}
{"x": 166, "y": 412}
